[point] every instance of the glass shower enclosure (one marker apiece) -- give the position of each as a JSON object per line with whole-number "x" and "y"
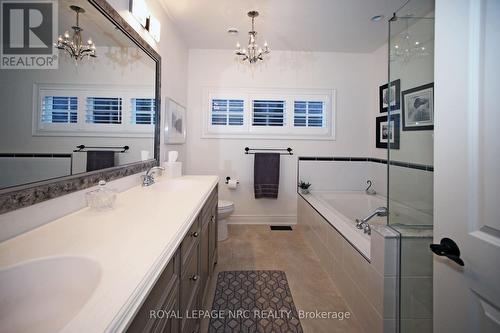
{"x": 410, "y": 158}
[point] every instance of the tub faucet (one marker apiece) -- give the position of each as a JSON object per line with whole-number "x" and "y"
{"x": 369, "y": 190}
{"x": 148, "y": 179}
{"x": 363, "y": 224}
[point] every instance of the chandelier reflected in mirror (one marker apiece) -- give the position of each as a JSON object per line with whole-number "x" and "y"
{"x": 253, "y": 53}
{"x": 406, "y": 47}
{"x": 74, "y": 45}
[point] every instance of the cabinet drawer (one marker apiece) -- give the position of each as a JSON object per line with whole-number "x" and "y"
{"x": 191, "y": 326}
{"x": 158, "y": 298}
{"x": 208, "y": 209}
{"x": 169, "y": 323}
{"x": 190, "y": 280}
{"x": 189, "y": 291}
{"x": 190, "y": 241}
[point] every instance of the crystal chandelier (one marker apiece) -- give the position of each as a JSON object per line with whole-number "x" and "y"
{"x": 74, "y": 45}
{"x": 253, "y": 53}
{"x": 406, "y": 48}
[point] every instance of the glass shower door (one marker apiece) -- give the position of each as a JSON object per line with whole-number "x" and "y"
{"x": 410, "y": 158}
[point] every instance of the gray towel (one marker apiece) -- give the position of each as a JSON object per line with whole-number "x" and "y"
{"x": 266, "y": 175}
{"x": 100, "y": 159}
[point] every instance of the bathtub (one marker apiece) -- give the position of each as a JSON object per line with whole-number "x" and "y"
{"x": 342, "y": 208}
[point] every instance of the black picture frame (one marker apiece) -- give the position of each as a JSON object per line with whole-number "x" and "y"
{"x": 382, "y": 90}
{"x": 379, "y": 143}
{"x": 427, "y": 94}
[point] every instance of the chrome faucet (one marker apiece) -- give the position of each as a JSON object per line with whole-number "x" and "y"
{"x": 363, "y": 224}
{"x": 369, "y": 190}
{"x": 148, "y": 179}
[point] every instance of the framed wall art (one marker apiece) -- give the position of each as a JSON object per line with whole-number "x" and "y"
{"x": 418, "y": 108}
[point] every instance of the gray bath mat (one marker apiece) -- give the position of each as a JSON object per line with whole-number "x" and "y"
{"x": 253, "y": 301}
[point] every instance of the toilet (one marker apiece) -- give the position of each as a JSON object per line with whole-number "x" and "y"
{"x": 224, "y": 210}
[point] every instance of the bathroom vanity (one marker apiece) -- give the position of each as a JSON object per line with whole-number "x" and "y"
{"x": 182, "y": 286}
{"x": 105, "y": 271}
{"x": 66, "y": 268}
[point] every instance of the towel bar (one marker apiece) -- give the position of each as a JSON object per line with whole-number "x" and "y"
{"x": 289, "y": 150}
{"x": 81, "y": 148}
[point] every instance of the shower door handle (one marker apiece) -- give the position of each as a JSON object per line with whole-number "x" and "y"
{"x": 449, "y": 249}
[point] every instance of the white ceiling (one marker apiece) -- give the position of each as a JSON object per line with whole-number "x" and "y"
{"x": 310, "y": 25}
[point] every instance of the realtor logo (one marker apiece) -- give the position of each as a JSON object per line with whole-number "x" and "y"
{"x": 28, "y": 31}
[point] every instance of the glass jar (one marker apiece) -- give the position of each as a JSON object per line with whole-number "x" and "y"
{"x": 102, "y": 198}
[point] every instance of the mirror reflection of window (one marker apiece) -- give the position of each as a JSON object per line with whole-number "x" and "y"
{"x": 106, "y": 102}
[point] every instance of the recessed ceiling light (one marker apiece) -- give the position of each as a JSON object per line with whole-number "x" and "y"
{"x": 377, "y": 18}
{"x": 232, "y": 31}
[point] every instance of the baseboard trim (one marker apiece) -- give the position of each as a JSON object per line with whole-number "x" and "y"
{"x": 263, "y": 219}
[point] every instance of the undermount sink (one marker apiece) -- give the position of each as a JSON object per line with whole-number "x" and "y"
{"x": 43, "y": 295}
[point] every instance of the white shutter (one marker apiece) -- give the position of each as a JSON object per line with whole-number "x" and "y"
{"x": 59, "y": 110}
{"x": 268, "y": 113}
{"x": 104, "y": 110}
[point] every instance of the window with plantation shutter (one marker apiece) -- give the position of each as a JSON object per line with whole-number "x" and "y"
{"x": 93, "y": 110}
{"x": 59, "y": 110}
{"x": 143, "y": 111}
{"x": 268, "y": 113}
{"x": 104, "y": 110}
{"x": 227, "y": 112}
{"x": 308, "y": 114}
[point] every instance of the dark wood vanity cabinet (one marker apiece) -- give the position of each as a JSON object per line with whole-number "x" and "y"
{"x": 183, "y": 284}
{"x": 163, "y": 298}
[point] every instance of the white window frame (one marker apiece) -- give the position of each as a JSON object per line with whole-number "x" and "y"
{"x": 288, "y": 131}
{"x": 81, "y": 127}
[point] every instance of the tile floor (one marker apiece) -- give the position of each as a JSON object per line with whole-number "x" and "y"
{"x": 255, "y": 247}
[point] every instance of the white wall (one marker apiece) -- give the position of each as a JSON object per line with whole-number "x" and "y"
{"x": 348, "y": 73}
{"x": 174, "y": 55}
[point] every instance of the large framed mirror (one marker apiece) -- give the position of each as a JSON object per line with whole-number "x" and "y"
{"x": 98, "y": 117}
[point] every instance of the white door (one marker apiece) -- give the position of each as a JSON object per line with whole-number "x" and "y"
{"x": 467, "y": 164}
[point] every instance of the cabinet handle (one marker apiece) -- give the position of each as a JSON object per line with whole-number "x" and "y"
{"x": 195, "y": 234}
{"x": 195, "y": 277}
{"x": 212, "y": 219}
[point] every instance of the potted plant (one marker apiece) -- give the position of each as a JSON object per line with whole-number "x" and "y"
{"x": 304, "y": 187}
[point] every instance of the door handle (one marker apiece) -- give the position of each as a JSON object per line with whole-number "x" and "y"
{"x": 449, "y": 249}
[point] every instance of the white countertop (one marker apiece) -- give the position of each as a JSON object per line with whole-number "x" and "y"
{"x": 131, "y": 243}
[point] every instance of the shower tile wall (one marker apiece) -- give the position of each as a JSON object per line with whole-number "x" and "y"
{"x": 413, "y": 187}
{"x": 416, "y": 284}
{"x": 335, "y": 175}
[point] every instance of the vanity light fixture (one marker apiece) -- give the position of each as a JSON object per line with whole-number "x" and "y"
{"x": 253, "y": 53}
{"x": 154, "y": 28}
{"x": 140, "y": 10}
{"x": 74, "y": 45}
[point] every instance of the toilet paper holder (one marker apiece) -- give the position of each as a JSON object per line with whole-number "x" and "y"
{"x": 228, "y": 179}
